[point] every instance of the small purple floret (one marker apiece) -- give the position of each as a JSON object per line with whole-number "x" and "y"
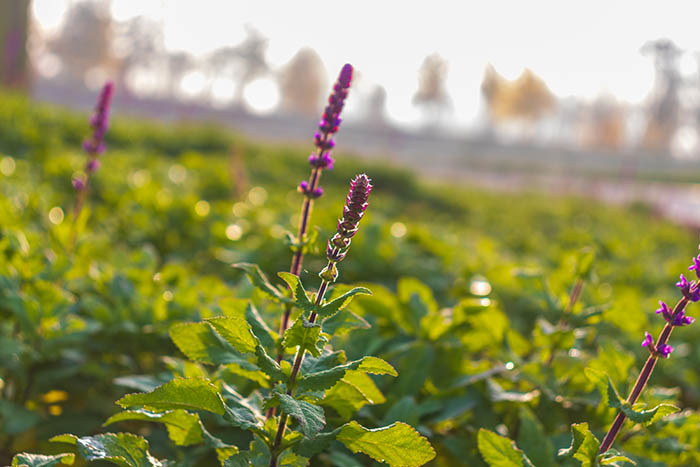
{"x": 92, "y": 166}
{"x": 689, "y": 289}
{"x": 662, "y": 350}
{"x": 78, "y": 184}
{"x": 695, "y": 266}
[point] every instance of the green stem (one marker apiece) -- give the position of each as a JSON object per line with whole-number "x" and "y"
{"x": 292, "y": 379}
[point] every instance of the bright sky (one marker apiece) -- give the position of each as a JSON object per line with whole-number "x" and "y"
{"x": 580, "y": 49}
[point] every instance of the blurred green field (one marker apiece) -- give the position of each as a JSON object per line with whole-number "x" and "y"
{"x": 469, "y": 287}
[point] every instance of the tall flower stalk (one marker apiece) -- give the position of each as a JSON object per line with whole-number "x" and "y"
{"x": 321, "y": 159}
{"x": 338, "y": 245}
{"x": 93, "y": 146}
{"x": 660, "y": 349}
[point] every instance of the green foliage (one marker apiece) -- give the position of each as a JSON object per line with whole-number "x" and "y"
{"x": 122, "y": 449}
{"x": 183, "y": 427}
{"x": 38, "y": 460}
{"x": 398, "y": 445}
{"x": 180, "y": 393}
{"x": 470, "y": 297}
{"x": 499, "y": 451}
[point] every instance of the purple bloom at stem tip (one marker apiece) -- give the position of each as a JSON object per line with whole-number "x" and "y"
{"x": 330, "y": 120}
{"x": 99, "y": 121}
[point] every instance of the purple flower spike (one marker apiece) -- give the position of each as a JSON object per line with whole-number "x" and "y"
{"x": 648, "y": 340}
{"x": 330, "y": 120}
{"x": 354, "y": 209}
{"x": 355, "y": 206}
{"x": 689, "y": 289}
{"x": 100, "y": 121}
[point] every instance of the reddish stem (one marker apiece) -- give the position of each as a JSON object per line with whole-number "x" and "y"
{"x": 643, "y": 376}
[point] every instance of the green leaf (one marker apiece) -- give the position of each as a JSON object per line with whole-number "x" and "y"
{"x": 260, "y": 280}
{"x": 647, "y": 417}
{"x": 306, "y": 336}
{"x": 266, "y": 335}
{"x": 223, "y": 450}
{"x": 200, "y": 343}
{"x": 240, "y": 411}
{"x": 38, "y": 460}
{"x": 180, "y": 393}
{"x": 310, "y": 417}
{"x": 636, "y": 414}
{"x": 301, "y": 300}
{"x": 183, "y": 427}
{"x": 499, "y": 451}
{"x": 122, "y": 449}
{"x": 236, "y": 331}
{"x": 16, "y": 419}
{"x": 600, "y": 379}
{"x": 309, "y": 447}
{"x": 337, "y": 304}
{"x": 398, "y": 444}
{"x": 268, "y": 365}
{"x": 351, "y": 393}
{"x": 64, "y": 438}
{"x": 584, "y": 445}
{"x": 612, "y": 457}
{"x": 244, "y": 309}
{"x": 326, "y": 379}
{"x": 342, "y": 323}
{"x": 242, "y": 459}
{"x": 376, "y": 366}
{"x": 533, "y": 441}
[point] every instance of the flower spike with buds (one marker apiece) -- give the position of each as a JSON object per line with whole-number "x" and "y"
{"x": 93, "y": 146}
{"x": 319, "y": 160}
{"x": 674, "y": 317}
{"x": 353, "y": 211}
{"x": 355, "y": 206}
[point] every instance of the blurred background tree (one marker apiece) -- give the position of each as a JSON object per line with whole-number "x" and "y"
{"x": 663, "y": 111}
{"x": 85, "y": 43}
{"x": 302, "y": 83}
{"x": 432, "y": 97}
{"x": 526, "y": 98}
{"x": 14, "y": 66}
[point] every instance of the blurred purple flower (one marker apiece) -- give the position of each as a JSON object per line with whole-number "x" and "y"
{"x": 78, "y": 184}
{"x": 99, "y": 121}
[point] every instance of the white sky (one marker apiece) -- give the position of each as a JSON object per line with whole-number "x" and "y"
{"x": 580, "y": 48}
